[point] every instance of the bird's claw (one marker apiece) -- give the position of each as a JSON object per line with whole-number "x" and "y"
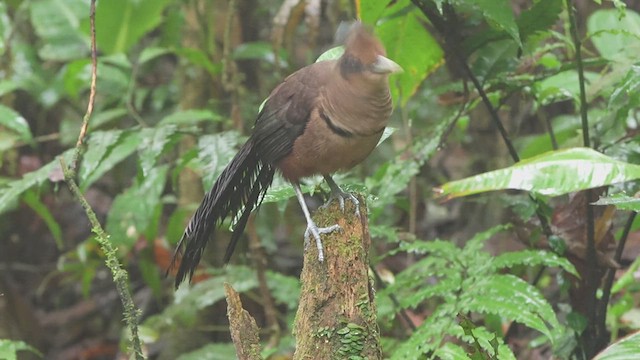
{"x": 340, "y": 196}
{"x": 314, "y": 230}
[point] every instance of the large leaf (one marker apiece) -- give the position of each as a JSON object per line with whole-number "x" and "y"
{"x": 625, "y": 349}
{"x": 15, "y": 122}
{"x": 214, "y": 154}
{"x": 106, "y": 149}
{"x": 121, "y": 23}
{"x": 553, "y": 173}
{"x": 541, "y": 16}
{"x": 499, "y": 15}
{"x": 9, "y": 349}
{"x": 616, "y": 37}
{"x": 505, "y": 295}
{"x": 11, "y": 191}
{"x": 154, "y": 142}
{"x": 620, "y": 201}
{"x": 57, "y": 23}
{"x": 410, "y": 45}
{"x": 133, "y": 210}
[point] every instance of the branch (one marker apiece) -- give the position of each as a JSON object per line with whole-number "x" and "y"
{"x": 336, "y": 318}
{"x": 244, "y": 331}
{"x": 120, "y": 276}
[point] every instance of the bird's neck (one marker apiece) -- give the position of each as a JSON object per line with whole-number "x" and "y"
{"x": 357, "y": 105}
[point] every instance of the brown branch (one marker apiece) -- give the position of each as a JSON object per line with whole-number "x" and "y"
{"x": 92, "y": 91}
{"x": 120, "y": 276}
{"x": 244, "y": 331}
{"x": 336, "y": 318}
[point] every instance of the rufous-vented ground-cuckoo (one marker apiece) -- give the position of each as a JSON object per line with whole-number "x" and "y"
{"x": 325, "y": 117}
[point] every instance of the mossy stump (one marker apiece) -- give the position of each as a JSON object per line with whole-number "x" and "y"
{"x": 336, "y": 318}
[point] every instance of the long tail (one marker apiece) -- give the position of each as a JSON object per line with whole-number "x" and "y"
{"x": 240, "y": 188}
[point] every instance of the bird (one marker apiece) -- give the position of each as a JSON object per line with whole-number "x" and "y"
{"x": 324, "y": 118}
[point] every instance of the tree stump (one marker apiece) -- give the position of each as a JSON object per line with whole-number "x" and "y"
{"x": 336, "y": 318}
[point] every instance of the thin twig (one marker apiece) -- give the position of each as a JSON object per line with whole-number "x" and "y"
{"x": 92, "y": 91}
{"x": 120, "y": 276}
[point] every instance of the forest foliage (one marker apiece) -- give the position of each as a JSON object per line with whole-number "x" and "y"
{"x": 500, "y": 202}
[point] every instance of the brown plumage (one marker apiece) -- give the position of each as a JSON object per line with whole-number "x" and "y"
{"x": 323, "y": 118}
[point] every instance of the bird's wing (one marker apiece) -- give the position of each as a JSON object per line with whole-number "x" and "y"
{"x": 286, "y": 113}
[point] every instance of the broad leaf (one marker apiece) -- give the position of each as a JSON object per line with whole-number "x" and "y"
{"x": 625, "y": 349}
{"x": 616, "y": 37}
{"x": 214, "y": 154}
{"x": 9, "y": 349}
{"x": 154, "y": 142}
{"x": 190, "y": 117}
{"x": 14, "y": 122}
{"x": 499, "y": 15}
{"x": 553, "y": 173}
{"x": 132, "y": 211}
{"x": 105, "y": 150}
{"x": 505, "y": 295}
{"x": 121, "y": 23}
{"x": 11, "y": 191}
{"x": 541, "y": 16}
{"x": 620, "y": 201}
{"x": 57, "y": 23}
{"x": 410, "y": 45}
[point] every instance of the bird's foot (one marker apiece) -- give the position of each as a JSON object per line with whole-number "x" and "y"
{"x": 313, "y": 229}
{"x": 341, "y": 196}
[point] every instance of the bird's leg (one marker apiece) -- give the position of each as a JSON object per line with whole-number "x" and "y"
{"x": 312, "y": 228}
{"x": 338, "y": 194}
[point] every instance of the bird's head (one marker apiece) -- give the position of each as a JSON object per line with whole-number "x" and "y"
{"x": 364, "y": 56}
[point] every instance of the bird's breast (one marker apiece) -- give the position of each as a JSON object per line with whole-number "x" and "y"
{"x": 324, "y": 148}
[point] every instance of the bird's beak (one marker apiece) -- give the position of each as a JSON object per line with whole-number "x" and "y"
{"x": 385, "y": 65}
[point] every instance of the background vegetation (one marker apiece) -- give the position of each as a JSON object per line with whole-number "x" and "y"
{"x": 535, "y": 101}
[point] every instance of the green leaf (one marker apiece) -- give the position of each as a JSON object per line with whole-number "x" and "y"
{"x": 532, "y": 258}
{"x": 150, "y": 53}
{"x": 256, "y": 50}
{"x": 153, "y": 144}
{"x": 620, "y": 201}
{"x": 626, "y": 95}
{"x": 561, "y": 86}
{"x": 200, "y": 58}
{"x": 624, "y": 349}
{"x": 57, "y": 23}
{"x": 553, "y": 173}
{"x": 616, "y": 36}
{"x": 541, "y": 16}
{"x": 105, "y": 150}
{"x": 372, "y": 10}
{"x": 214, "y": 154}
{"x": 505, "y": 295}
{"x": 9, "y": 349}
{"x": 32, "y": 199}
{"x": 11, "y": 191}
{"x": 190, "y": 117}
{"x": 14, "y": 122}
{"x": 495, "y": 58}
{"x": 133, "y": 210}
{"x": 410, "y": 45}
{"x": 499, "y": 15}
{"x": 121, "y": 23}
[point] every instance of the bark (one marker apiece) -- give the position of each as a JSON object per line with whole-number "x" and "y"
{"x": 336, "y": 318}
{"x": 244, "y": 331}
